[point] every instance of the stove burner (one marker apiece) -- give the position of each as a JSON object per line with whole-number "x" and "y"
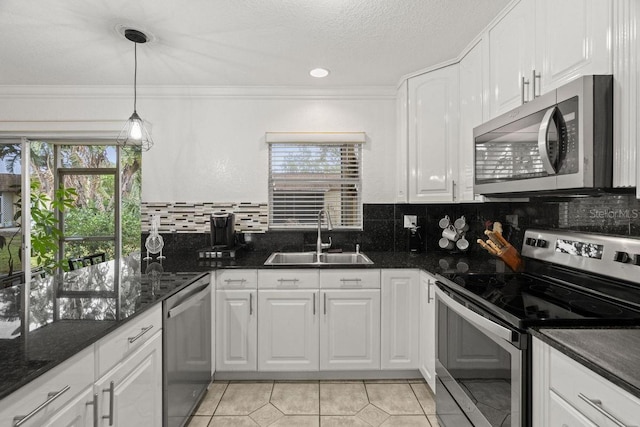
{"x": 550, "y": 290}
{"x": 595, "y": 307}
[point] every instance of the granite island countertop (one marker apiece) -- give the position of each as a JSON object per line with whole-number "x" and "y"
{"x": 613, "y": 353}
{"x": 70, "y": 312}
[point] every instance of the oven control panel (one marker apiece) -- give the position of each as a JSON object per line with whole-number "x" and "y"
{"x": 613, "y": 256}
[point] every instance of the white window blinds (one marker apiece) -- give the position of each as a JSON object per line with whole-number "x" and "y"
{"x": 309, "y": 172}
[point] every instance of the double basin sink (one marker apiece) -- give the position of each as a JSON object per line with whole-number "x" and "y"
{"x": 312, "y": 258}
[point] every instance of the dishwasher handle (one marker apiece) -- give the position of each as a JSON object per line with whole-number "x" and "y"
{"x": 190, "y": 301}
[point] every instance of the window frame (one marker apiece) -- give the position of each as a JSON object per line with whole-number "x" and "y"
{"x": 347, "y": 209}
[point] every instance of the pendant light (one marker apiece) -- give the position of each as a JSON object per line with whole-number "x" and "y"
{"x": 134, "y": 133}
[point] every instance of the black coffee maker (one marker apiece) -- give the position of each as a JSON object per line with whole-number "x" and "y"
{"x": 223, "y": 234}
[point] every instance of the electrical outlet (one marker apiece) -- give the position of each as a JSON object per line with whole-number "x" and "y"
{"x": 410, "y": 221}
{"x": 513, "y": 220}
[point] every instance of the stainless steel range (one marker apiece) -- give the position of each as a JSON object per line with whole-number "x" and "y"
{"x": 483, "y": 352}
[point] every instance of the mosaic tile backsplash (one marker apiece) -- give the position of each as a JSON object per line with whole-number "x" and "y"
{"x": 182, "y": 217}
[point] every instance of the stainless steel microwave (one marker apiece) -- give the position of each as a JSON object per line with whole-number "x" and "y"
{"x": 561, "y": 141}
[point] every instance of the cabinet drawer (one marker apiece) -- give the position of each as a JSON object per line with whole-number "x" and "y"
{"x": 236, "y": 279}
{"x": 350, "y": 279}
{"x": 288, "y": 279}
{"x": 76, "y": 373}
{"x": 575, "y": 383}
{"x": 130, "y": 336}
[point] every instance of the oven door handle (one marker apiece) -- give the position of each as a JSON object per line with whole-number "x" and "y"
{"x": 475, "y": 318}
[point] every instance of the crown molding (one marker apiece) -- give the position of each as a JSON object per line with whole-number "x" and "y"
{"x": 216, "y": 92}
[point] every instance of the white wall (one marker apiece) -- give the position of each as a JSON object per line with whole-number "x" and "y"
{"x": 209, "y": 143}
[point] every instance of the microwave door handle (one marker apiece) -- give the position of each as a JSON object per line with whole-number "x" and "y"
{"x": 474, "y": 318}
{"x": 547, "y": 121}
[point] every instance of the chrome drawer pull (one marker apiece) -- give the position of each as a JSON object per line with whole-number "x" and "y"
{"x": 288, "y": 280}
{"x": 142, "y": 332}
{"x": 229, "y": 281}
{"x": 94, "y": 402}
{"x": 21, "y": 419}
{"x": 429, "y": 299}
{"x": 597, "y": 405}
{"x": 314, "y": 303}
{"x": 354, "y": 279}
{"x": 110, "y": 390}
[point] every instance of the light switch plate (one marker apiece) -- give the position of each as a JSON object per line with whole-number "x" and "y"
{"x": 410, "y": 221}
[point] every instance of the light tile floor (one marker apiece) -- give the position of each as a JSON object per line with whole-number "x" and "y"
{"x": 386, "y": 403}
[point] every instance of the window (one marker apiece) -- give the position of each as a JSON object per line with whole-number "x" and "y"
{"x": 309, "y": 172}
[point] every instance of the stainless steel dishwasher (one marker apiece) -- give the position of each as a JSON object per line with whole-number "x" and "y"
{"x": 186, "y": 349}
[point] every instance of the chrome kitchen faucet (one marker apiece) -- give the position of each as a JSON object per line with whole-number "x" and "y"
{"x": 319, "y": 245}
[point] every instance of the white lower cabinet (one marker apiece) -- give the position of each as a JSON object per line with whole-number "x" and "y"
{"x": 350, "y": 329}
{"x": 131, "y": 393}
{"x": 567, "y": 393}
{"x": 236, "y": 330}
{"x": 288, "y": 330}
{"x": 400, "y": 315}
{"x": 79, "y": 412}
{"x": 428, "y": 329}
{"x": 53, "y": 394}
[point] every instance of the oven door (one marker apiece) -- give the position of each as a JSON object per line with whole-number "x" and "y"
{"x": 479, "y": 367}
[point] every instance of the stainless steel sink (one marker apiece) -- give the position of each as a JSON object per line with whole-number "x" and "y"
{"x": 349, "y": 258}
{"x": 310, "y": 258}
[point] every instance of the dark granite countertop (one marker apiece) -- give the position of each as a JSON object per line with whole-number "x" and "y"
{"x": 614, "y": 353}
{"x": 79, "y": 308}
{"x": 69, "y": 313}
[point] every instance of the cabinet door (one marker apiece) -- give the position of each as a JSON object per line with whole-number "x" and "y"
{"x": 77, "y": 413}
{"x": 288, "y": 330}
{"x": 433, "y": 135}
{"x": 471, "y": 96}
{"x": 131, "y": 393}
{"x": 511, "y": 57}
{"x": 350, "y": 329}
{"x": 567, "y": 48}
{"x": 400, "y": 319}
{"x": 401, "y": 145}
{"x": 236, "y": 330}
{"x": 428, "y": 329}
{"x": 561, "y": 413}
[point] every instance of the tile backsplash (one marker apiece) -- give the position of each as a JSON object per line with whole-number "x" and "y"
{"x": 183, "y": 217}
{"x": 383, "y": 224}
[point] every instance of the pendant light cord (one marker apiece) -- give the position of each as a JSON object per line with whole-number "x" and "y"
{"x": 135, "y": 75}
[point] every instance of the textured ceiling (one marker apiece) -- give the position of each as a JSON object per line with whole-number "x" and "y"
{"x": 233, "y": 42}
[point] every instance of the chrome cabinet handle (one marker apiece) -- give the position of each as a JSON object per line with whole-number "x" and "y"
{"x": 250, "y": 304}
{"x": 325, "y": 304}
{"x": 142, "y": 332}
{"x": 94, "y": 402}
{"x": 110, "y": 390}
{"x": 314, "y": 303}
{"x": 292, "y": 281}
{"x": 453, "y": 189}
{"x": 229, "y": 281}
{"x": 429, "y": 298}
{"x": 535, "y": 77}
{"x": 353, "y": 279}
{"x": 597, "y": 405}
{"x": 523, "y": 83}
{"x": 19, "y": 420}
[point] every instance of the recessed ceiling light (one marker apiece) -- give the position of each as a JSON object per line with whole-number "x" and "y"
{"x": 319, "y": 72}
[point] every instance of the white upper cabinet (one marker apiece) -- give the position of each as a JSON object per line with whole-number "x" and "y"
{"x": 539, "y": 45}
{"x": 573, "y": 38}
{"x": 626, "y": 95}
{"x": 511, "y": 58}
{"x": 402, "y": 195}
{"x": 433, "y": 135}
{"x": 471, "y": 115}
